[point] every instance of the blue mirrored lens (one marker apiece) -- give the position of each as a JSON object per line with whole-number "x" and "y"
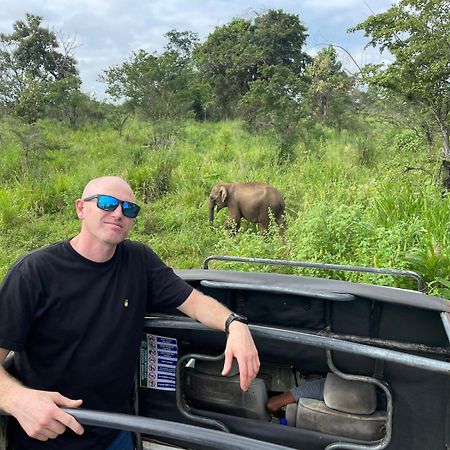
{"x": 130, "y": 210}
{"x": 107, "y": 203}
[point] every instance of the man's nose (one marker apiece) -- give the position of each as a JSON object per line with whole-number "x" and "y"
{"x": 117, "y": 212}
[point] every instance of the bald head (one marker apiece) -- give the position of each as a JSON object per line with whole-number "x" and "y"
{"x": 115, "y": 186}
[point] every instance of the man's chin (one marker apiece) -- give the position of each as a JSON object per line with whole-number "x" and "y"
{"x": 115, "y": 240}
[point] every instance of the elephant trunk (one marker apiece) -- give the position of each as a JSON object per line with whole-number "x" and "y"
{"x": 211, "y": 211}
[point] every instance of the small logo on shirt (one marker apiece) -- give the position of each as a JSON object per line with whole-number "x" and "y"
{"x": 125, "y": 303}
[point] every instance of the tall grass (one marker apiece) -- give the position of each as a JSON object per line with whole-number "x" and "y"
{"x": 348, "y": 200}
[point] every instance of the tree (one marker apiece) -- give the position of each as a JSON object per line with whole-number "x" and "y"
{"x": 280, "y": 38}
{"x": 329, "y": 87}
{"x": 275, "y": 102}
{"x": 417, "y": 34}
{"x": 236, "y": 55}
{"x": 158, "y": 86}
{"x": 33, "y": 60}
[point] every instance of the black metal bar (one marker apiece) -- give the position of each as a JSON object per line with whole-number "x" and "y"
{"x": 193, "y": 436}
{"x": 385, "y": 343}
{"x": 445, "y": 317}
{"x": 310, "y": 293}
{"x": 315, "y": 340}
{"x": 382, "y": 443}
{"x": 406, "y": 359}
{"x": 183, "y": 407}
{"x": 280, "y": 262}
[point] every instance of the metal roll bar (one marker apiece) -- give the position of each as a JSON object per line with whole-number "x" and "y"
{"x": 445, "y": 317}
{"x": 193, "y": 436}
{"x": 310, "y": 293}
{"x": 421, "y": 286}
{"x": 314, "y": 340}
{"x": 183, "y": 407}
{"x": 382, "y": 443}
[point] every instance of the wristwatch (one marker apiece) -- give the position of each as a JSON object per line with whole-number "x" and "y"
{"x": 232, "y": 317}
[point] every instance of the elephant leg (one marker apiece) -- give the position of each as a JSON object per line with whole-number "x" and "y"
{"x": 233, "y": 224}
{"x": 264, "y": 223}
{"x": 281, "y": 221}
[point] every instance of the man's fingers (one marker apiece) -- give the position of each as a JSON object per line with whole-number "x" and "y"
{"x": 43, "y": 433}
{"x": 244, "y": 375}
{"x": 49, "y": 433}
{"x": 60, "y": 400}
{"x": 65, "y": 418}
{"x": 69, "y": 421}
{"x": 256, "y": 365}
{"x": 55, "y": 427}
{"x": 227, "y": 364}
{"x": 248, "y": 372}
{"x": 40, "y": 437}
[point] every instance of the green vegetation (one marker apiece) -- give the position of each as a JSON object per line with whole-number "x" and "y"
{"x": 358, "y": 157}
{"x": 340, "y": 209}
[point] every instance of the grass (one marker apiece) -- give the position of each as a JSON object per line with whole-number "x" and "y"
{"x": 348, "y": 200}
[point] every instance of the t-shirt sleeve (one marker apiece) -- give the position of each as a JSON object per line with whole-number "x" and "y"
{"x": 168, "y": 290}
{"x": 18, "y": 303}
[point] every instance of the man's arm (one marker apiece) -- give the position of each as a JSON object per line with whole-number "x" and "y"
{"x": 240, "y": 343}
{"x": 37, "y": 412}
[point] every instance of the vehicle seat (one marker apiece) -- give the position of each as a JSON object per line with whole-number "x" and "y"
{"x": 348, "y": 410}
{"x": 207, "y": 389}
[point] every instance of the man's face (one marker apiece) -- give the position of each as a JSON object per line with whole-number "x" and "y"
{"x": 106, "y": 227}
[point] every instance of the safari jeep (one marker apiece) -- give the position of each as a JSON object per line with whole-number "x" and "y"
{"x": 381, "y": 353}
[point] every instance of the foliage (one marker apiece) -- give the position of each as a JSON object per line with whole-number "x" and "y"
{"x": 416, "y": 33}
{"x": 357, "y": 186}
{"x": 157, "y": 86}
{"x": 330, "y": 86}
{"x": 338, "y": 210}
{"x": 37, "y": 71}
{"x": 275, "y": 103}
{"x": 236, "y": 54}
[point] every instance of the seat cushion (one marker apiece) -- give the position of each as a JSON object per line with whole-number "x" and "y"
{"x": 224, "y": 395}
{"x": 316, "y": 415}
{"x": 354, "y": 397}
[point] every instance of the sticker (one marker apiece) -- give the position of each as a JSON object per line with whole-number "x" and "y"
{"x": 159, "y": 356}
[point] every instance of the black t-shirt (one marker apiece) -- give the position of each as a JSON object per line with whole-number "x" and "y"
{"x": 76, "y": 326}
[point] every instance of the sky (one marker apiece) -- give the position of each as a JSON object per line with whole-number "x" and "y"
{"x": 107, "y": 32}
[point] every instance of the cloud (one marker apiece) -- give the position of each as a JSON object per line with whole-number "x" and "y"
{"x": 108, "y": 32}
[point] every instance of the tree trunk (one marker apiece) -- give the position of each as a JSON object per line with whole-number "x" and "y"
{"x": 445, "y": 133}
{"x": 446, "y": 175}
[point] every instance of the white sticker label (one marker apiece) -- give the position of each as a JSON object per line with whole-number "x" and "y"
{"x": 159, "y": 356}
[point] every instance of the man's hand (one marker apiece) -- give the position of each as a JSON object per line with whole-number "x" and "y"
{"x": 240, "y": 345}
{"x": 40, "y": 415}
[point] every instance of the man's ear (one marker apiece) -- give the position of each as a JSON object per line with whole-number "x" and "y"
{"x": 79, "y": 207}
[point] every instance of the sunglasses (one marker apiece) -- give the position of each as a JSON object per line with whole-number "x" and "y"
{"x": 110, "y": 203}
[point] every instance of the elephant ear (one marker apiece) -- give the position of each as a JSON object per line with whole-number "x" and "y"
{"x": 223, "y": 193}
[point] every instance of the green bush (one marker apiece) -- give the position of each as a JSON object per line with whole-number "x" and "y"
{"x": 343, "y": 206}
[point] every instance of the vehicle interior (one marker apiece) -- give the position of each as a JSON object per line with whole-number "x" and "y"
{"x": 382, "y": 355}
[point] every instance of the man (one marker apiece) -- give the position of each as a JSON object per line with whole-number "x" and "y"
{"x": 73, "y": 313}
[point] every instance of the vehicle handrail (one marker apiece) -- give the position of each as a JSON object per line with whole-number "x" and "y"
{"x": 315, "y": 340}
{"x": 385, "y": 441}
{"x": 192, "y": 413}
{"x": 421, "y": 286}
{"x": 190, "y": 434}
{"x": 445, "y": 318}
{"x": 310, "y": 293}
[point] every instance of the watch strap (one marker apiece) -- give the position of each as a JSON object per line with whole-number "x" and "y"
{"x": 231, "y": 318}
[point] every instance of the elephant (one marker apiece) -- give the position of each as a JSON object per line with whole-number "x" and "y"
{"x": 252, "y": 201}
